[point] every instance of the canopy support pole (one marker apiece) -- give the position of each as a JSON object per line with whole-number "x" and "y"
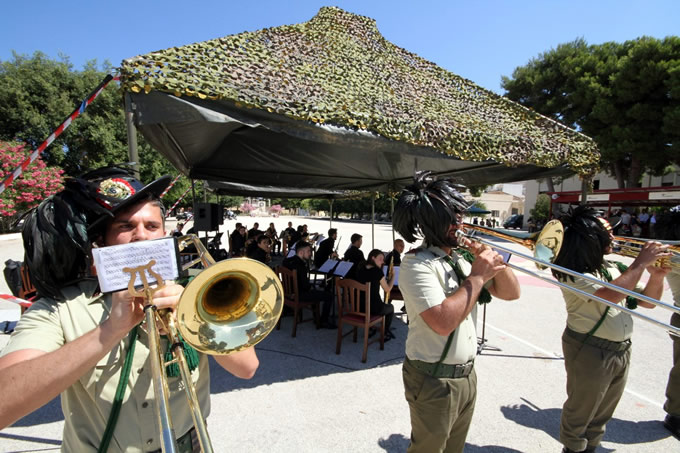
{"x": 373, "y": 220}
{"x": 392, "y": 216}
{"x": 131, "y": 135}
{"x": 331, "y": 218}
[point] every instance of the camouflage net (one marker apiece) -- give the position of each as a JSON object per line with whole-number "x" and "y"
{"x": 337, "y": 69}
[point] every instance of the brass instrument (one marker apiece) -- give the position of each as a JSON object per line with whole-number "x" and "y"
{"x": 230, "y": 306}
{"x": 547, "y": 244}
{"x": 390, "y": 273}
{"x": 627, "y": 246}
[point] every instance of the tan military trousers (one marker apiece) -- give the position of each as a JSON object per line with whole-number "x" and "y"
{"x": 672, "y": 405}
{"x": 596, "y": 379}
{"x": 441, "y": 410}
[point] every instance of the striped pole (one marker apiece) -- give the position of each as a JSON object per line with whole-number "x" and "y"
{"x": 170, "y": 186}
{"x": 62, "y": 127}
{"x": 167, "y": 214}
{"x": 10, "y": 298}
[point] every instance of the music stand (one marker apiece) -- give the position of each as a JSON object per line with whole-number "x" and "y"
{"x": 481, "y": 342}
{"x": 326, "y": 269}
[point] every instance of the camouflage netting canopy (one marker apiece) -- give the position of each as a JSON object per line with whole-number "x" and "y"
{"x": 331, "y": 104}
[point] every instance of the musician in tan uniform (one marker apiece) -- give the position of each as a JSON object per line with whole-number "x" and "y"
{"x": 668, "y": 228}
{"x": 440, "y": 290}
{"x": 596, "y": 342}
{"x": 74, "y": 340}
{"x": 672, "y": 405}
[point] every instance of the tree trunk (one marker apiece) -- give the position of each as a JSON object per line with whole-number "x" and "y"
{"x": 555, "y": 214}
{"x": 549, "y": 183}
{"x": 634, "y": 173}
{"x": 618, "y": 173}
{"x": 585, "y": 189}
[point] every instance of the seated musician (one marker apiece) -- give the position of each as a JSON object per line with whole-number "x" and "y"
{"x": 274, "y": 236}
{"x": 288, "y": 235}
{"x": 237, "y": 241}
{"x": 76, "y": 341}
{"x": 260, "y": 249}
{"x": 370, "y": 271}
{"x": 354, "y": 254}
{"x": 394, "y": 258}
{"x": 326, "y": 249}
{"x": 298, "y": 262}
{"x": 254, "y": 232}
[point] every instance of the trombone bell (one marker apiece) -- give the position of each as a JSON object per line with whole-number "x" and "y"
{"x": 230, "y": 306}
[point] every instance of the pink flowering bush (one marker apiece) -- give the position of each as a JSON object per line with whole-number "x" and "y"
{"x": 246, "y": 208}
{"x": 275, "y": 209}
{"x": 35, "y": 184}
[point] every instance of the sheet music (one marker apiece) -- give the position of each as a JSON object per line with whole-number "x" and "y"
{"x": 328, "y": 266}
{"x": 291, "y": 252}
{"x": 395, "y": 269}
{"x": 342, "y": 268}
{"x": 110, "y": 262}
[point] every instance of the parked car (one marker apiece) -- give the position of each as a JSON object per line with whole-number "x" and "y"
{"x": 514, "y": 221}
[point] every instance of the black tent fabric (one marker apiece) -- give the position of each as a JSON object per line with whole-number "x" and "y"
{"x": 209, "y": 140}
{"x": 330, "y": 104}
{"x": 249, "y": 190}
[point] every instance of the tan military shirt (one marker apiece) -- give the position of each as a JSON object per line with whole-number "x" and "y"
{"x": 673, "y": 278}
{"x": 583, "y": 313}
{"x": 425, "y": 280}
{"x": 87, "y": 404}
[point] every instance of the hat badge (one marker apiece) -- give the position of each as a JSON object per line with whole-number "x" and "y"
{"x": 117, "y": 188}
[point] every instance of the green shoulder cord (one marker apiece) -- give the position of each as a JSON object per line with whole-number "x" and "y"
{"x": 631, "y": 302}
{"x": 120, "y": 392}
{"x": 190, "y": 353}
{"x": 484, "y": 297}
{"x": 484, "y": 294}
{"x": 446, "y": 351}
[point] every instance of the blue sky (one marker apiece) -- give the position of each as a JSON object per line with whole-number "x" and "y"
{"x": 479, "y": 40}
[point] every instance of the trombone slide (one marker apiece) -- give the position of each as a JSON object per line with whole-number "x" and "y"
{"x": 669, "y": 328}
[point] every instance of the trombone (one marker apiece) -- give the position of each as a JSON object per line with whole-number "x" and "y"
{"x": 627, "y": 246}
{"x": 229, "y": 306}
{"x": 546, "y": 246}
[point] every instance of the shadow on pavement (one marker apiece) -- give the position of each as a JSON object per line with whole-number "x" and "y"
{"x": 489, "y": 449}
{"x": 618, "y": 431}
{"x": 312, "y": 353}
{"x": 395, "y": 443}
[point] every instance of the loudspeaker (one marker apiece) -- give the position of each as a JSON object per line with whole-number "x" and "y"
{"x": 207, "y": 216}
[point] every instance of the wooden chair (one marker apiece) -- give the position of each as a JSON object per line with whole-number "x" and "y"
{"x": 28, "y": 291}
{"x": 292, "y": 299}
{"x": 349, "y": 294}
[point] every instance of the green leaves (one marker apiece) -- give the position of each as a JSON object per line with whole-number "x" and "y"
{"x": 624, "y": 95}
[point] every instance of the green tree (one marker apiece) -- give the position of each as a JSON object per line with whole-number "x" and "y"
{"x": 36, "y": 95}
{"x": 541, "y": 210}
{"x": 625, "y": 96}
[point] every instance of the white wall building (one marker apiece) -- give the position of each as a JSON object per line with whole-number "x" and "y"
{"x": 601, "y": 181}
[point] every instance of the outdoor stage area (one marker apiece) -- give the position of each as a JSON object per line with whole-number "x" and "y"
{"x": 305, "y": 398}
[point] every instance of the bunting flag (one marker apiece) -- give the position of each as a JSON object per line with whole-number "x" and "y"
{"x": 10, "y": 298}
{"x": 167, "y": 214}
{"x": 170, "y": 186}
